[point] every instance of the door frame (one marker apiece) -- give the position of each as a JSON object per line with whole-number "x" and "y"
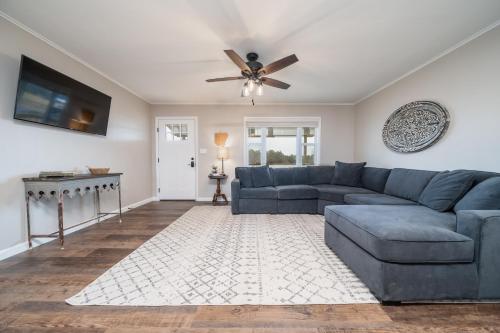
{"x": 157, "y": 153}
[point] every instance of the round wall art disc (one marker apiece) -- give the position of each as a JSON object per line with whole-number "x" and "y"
{"x": 415, "y": 126}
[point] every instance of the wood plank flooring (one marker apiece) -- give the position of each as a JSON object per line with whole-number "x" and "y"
{"x": 34, "y": 284}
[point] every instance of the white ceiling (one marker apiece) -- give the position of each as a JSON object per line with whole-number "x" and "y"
{"x": 163, "y": 50}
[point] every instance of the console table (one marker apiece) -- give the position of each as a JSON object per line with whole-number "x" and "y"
{"x": 56, "y": 188}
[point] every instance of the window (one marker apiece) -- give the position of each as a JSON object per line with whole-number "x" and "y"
{"x": 176, "y": 132}
{"x": 281, "y": 141}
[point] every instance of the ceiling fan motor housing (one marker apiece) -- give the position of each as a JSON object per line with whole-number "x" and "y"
{"x": 253, "y": 64}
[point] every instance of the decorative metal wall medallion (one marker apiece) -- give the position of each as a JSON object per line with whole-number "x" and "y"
{"x": 415, "y": 126}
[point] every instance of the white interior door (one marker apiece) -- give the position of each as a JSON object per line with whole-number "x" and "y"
{"x": 176, "y": 159}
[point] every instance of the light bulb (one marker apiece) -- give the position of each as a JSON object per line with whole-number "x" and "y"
{"x": 251, "y": 85}
{"x": 260, "y": 89}
{"x": 245, "y": 92}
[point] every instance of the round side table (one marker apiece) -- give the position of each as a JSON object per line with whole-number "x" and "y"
{"x": 218, "y": 193}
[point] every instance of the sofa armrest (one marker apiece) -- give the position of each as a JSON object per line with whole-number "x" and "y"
{"x": 235, "y": 196}
{"x": 483, "y": 226}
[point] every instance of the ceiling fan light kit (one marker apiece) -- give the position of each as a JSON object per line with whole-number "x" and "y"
{"x": 253, "y": 72}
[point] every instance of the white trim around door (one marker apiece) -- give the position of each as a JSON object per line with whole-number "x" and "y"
{"x": 157, "y": 156}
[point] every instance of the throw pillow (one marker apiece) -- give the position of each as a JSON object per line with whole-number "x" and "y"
{"x": 348, "y": 174}
{"x": 244, "y": 174}
{"x": 445, "y": 189}
{"x": 483, "y": 196}
{"x": 261, "y": 176}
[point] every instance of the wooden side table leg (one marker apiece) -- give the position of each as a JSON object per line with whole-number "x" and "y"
{"x": 218, "y": 187}
{"x": 60, "y": 211}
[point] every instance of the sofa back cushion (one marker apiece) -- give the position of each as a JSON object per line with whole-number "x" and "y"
{"x": 445, "y": 189}
{"x": 282, "y": 176}
{"x": 320, "y": 174}
{"x": 244, "y": 174}
{"x": 300, "y": 176}
{"x": 480, "y": 176}
{"x": 261, "y": 176}
{"x": 483, "y": 196}
{"x": 348, "y": 174}
{"x": 290, "y": 176}
{"x": 408, "y": 183}
{"x": 375, "y": 178}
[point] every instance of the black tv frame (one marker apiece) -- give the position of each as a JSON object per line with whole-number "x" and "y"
{"x": 23, "y": 57}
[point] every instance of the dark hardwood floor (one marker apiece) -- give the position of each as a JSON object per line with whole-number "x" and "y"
{"x": 34, "y": 284}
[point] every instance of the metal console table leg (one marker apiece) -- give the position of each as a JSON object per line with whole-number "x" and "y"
{"x": 60, "y": 212}
{"x": 28, "y": 219}
{"x": 98, "y": 204}
{"x": 120, "y": 201}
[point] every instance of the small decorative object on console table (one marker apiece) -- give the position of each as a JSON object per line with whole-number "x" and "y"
{"x": 39, "y": 188}
{"x": 218, "y": 193}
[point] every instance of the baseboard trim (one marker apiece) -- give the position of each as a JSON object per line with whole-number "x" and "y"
{"x": 22, "y": 247}
{"x": 205, "y": 199}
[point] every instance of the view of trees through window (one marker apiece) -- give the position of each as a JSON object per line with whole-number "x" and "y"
{"x": 281, "y": 145}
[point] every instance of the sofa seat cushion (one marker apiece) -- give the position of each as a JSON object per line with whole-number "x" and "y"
{"x": 268, "y": 192}
{"x": 375, "y": 199}
{"x": 294, "y": 192}
{"x": 402, "y": 234}
{"x": 336, "y": 193}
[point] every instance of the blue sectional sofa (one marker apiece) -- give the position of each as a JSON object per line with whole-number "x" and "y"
{"x": 407, "y": 234}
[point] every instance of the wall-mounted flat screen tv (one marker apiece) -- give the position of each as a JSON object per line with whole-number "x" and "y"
{"x": 48, "y": 97}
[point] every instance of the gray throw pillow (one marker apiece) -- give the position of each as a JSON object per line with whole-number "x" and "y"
{"x": 348, "y": 174}
{"x": 483, "y": 196}
{"x": 445, "y": 189}
{"x": 261, "y": 176}
{"x": 244, "y": 174}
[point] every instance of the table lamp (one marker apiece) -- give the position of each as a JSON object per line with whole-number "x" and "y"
{"x": 220, "y": 139}
{"x": 221, "y": 155}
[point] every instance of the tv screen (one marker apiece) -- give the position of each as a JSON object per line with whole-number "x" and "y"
{"x": 48, "y": 97}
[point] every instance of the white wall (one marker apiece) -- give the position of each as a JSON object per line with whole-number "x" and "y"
{"x": 337, "y": 133}
{"x": 28, "y": 148}
{"x": 467, "y": 83}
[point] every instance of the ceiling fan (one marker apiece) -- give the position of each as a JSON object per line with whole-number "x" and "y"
{"x": 254, "y": 72}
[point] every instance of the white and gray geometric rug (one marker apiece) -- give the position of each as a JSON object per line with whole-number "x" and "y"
{"x": 211, "y": 257}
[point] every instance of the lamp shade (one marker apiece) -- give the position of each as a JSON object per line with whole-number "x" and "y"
{"x": 222, "y": 153}
{"x": 220, "y": 139}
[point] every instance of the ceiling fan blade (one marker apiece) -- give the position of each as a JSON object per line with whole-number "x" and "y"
{"x": 229, "y": 78}
{"x": 278, "y": 65}
{"x": 275, "y": 83}
{"x": 238, "y": 60}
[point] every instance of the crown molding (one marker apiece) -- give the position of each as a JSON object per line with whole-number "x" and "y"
{"x": 67, "y": 53}
{"x": 432, "y": 60}
{"x": 248, "y": 104}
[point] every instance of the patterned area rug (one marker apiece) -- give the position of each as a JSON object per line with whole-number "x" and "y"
{"x": 211, "y": 257}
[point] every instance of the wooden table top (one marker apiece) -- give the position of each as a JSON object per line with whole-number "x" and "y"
{"x": 217, "y": 176}
{"x": 63, "y": 179}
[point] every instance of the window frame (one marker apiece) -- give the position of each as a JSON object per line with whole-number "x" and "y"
{"x": 297, "y": 122}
